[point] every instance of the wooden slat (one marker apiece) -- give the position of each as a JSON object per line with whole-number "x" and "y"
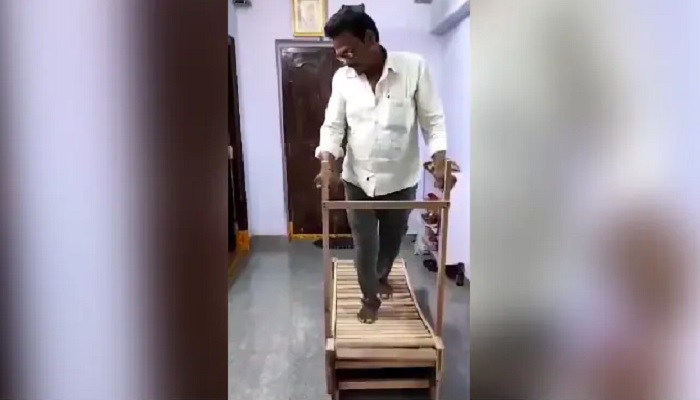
{"x": 384, "y": 364}
{"x": 335, "y": 300}
{"x": 411, "y": 324}
{"x": 357, "y": 295}
{"x": 380, "y": 338}
{"x": 370, "y": 335}
{"x": 330, "y": 367}
{"x": 407, "y": 302}
{"x": 400, "y": 324}
{"x": 384, "y": 384}
{"x": 442, "y": 251}
{"x": 384, "y": 204}
{"x": 327, "y": 262}
{"x": 374, "y": 354}
{"x": 418, "y": 310}
{"x": 383, "y": 334}
{"x": 385, "y": 342}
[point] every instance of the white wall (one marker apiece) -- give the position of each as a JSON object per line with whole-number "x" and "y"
{"x": 402, "y": 26}
{"x": 231, "y": 19}
{"x": 445, "y": 13}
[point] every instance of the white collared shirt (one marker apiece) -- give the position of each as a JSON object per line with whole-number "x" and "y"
{"x": 382, "y": 144}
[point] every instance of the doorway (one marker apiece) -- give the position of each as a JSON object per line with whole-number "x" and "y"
{"x": 305, "y": 71}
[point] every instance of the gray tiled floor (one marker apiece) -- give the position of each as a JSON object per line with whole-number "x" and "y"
{"x": 276, "y": 325}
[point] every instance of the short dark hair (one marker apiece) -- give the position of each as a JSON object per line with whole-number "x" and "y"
{"x": 349, "y": 19}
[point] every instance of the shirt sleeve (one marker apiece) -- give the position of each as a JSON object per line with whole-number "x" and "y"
{"x": 334, "y": 123}
{"x": 429, "y": 109}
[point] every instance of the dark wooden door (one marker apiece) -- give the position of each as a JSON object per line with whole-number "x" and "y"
{"x": 306, "y": 72}
{"x": 238, "y": 206}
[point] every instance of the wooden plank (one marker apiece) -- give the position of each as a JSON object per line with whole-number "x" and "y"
{"x": 349, "y": 266}
{"x": 335, "y": 299}
{"x": 396, "y": 273}
{"x": 400, "y": 324}
{"x": 369, "y": 335}
{"x": 330, "y": 367}
{"x": 385, "y": 342}
{"x": 383, "y": 328}
{"x": 384, "y": 364}
{"x": 417, "y": 306}
{"x": 357, "y": 296}
{"x": 373, "y": 354}
{"x": 350, "y": 282}
{"x": 384, "y": 204}
{"x": 383, "y": 314}
{"x": 383, "y": 336}
{"x": 327, "y": 265}
{"x": 442, "y": 250}
{"x": 351, "y": 273}
{"x": 406, "y": 302}
{"x": 404, "y": 308}
{"x": 352, "y": 310}
{"x": 385, "y": 384}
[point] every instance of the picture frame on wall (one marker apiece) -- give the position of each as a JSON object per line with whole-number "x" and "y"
{"x": 309, "y": 17}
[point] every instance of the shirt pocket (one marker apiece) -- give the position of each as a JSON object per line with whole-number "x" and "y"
{"x": 395, "y": 113}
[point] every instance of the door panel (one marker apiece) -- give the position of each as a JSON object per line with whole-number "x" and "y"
{"x": 238, "y": 205}
{"x": 306, "y": 74}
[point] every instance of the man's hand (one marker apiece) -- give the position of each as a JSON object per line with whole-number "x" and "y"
{"x": 333, "y": 175}
{"x": 439, "y": 174}
{"x": 333, "y": 180}
{"x": 439, "y": 171}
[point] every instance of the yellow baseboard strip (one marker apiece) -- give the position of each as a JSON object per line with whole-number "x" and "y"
{"x": 307, "y": 236}
{"x": 242, "y": 241}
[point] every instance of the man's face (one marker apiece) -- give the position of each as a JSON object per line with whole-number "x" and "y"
{"x": 353, "y": 52}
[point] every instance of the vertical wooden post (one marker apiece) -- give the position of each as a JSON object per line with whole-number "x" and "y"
{"x": 442, "y": 250}
{"x": 327, "y": 267}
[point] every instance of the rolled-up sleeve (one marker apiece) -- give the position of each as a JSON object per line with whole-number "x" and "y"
{"x": 430, "y": 113}
{"x": 333, "y": 128}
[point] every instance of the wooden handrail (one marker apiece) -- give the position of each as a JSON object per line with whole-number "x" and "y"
{"x": 385, "y": 204}
{"x": 327, "y": 262}
{"x": 442, "y": 251}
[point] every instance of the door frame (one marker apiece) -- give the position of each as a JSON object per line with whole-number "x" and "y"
{"x": 279, "y": 45}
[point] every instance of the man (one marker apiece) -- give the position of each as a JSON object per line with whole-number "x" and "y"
{"x": 378, "y": 97}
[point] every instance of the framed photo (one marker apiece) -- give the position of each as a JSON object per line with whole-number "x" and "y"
{"x": 309, "y": 17}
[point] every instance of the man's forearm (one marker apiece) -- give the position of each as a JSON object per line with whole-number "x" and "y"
{"x": 333, "y": 162}
{"x": 327, "y": 156}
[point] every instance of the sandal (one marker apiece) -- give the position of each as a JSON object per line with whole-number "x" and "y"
{"x": 385, "y": 289}
{"x": 368, "y": 312}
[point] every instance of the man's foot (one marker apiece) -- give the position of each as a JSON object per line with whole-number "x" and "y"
{"x": 385, "y": 289}
{"x": 368, "y": 312}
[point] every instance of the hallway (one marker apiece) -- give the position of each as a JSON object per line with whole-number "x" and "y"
{"x": 276, "y": 324}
